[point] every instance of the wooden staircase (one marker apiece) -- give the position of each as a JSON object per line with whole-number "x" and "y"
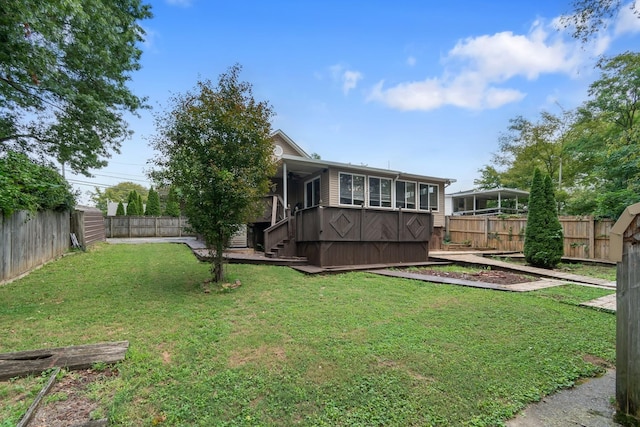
{"x": 279, "y": 239}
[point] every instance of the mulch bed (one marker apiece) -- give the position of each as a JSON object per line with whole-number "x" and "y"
{"x": 496, "y": 277}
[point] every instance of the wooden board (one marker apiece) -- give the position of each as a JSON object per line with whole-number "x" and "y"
{"x": 23, "y": 363}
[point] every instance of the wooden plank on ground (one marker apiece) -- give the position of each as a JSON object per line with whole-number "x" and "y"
{"x": 26, "y": 419}
{"x": 23, "y": 363}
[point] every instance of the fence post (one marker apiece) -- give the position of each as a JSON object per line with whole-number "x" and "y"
{"x": 592, "y": 238}
{"x": 486, "y": 232}
{"x": 625, "y": 247}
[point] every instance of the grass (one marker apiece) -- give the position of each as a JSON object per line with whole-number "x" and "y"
{"x": 289, "y": 349}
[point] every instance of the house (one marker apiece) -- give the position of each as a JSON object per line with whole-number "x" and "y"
{"x": 342, "y": 214}
{"x": 496, "y": 201}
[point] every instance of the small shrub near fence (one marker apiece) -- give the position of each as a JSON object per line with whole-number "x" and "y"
{"x": 144, "y": 226}
{"x": 584, "y": 237}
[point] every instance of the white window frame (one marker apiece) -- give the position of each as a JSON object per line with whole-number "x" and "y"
{"x": 313, "y": 201}
{"x": 437, "y": 193}
{"x": 364, "y": 189}
{"x": 391, "y": 187}
{"x": 415, "y": 194}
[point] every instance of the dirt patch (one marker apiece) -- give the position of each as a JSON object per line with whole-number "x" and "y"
{"x": 68, "y": 404}
{"x": 496, "y": 277}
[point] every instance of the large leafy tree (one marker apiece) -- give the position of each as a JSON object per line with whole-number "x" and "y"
{"x": 606, "y": 138}
{"x": 215, "y": 148}
{"x": 117, "y": 193}
{"x": 528, "y": 145}
{"x": 64, "y": 69}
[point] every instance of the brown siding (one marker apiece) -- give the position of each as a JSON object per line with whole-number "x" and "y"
{"x": 344, "y": 236}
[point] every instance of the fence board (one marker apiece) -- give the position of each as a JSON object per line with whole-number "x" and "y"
{"x": 145, "y": 226}
{"x": 30, "y": 240}
{"x": 584, "y": 237}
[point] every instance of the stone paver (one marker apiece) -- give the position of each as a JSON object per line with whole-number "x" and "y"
{"x": 607, "y": 302}
{"x": 587, "y": 405}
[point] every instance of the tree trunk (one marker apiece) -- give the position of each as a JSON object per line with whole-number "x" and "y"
{"x": 217, "y": 269}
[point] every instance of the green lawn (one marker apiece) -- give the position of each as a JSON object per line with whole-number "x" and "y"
{"x": 289, "y": 349}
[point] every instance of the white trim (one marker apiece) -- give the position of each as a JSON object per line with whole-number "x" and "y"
{"x": 368, "y": 192}
{"x": 364, "y": 195}
{"x": 415, "y": 200}
{"x": 431, "y": 209}
{"x": 317, "y": 202}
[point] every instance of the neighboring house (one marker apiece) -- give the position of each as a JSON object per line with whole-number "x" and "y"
{"x": 342, "y": 214}
{"x": 487, "y": 202}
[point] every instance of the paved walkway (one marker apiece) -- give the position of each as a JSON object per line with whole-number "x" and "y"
{"x": 587, "y": 405}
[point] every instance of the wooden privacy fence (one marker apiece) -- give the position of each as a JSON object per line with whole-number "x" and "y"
{"x": 28, "y": 240}
{"x": 88, "y": 225}
{"x": 584, "y": 237}
{"x": 146, "y": 226}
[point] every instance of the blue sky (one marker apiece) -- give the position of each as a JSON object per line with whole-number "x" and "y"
{"x": 419, "y": 86}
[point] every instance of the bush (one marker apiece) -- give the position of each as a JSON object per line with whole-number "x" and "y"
{"x": 25, "y": 185}
{"x": 120, "y": 209}
{"x": 172, "y": 208}
{"x": 132, "y": 204}
{"x": 153, "y": 203}
{"x": 543, "y": 244}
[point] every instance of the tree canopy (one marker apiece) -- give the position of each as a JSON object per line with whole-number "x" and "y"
{"x": 117, "y": 193}
{"x": 215, "y": 149}
{"x": 591, "y": 16}
{"x": 25, "y": 185}
{"x": 593, "y": 152}
{"x": 64, "y": 69}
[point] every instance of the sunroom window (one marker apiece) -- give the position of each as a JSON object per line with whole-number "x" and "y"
{"x": 380, "y": 192}
{"x": 405, "y": 194}
{"x": 351, "y": 189}
{"x": 312, "y": 193}
{"x": 428, "y": 197}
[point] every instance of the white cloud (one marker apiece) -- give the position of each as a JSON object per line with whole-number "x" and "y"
{"x": 476, "y": 68}
{"x": 347, "y": 78}
{"x": 628, "y": 20}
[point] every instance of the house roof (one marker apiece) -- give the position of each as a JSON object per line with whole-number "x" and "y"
{"x": 490, "y": 194}
{"x": 307, "y": 166}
